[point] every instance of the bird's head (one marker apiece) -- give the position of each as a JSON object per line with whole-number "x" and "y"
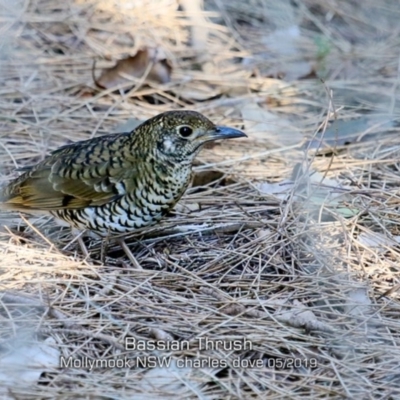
{"x": 179, "y": 135}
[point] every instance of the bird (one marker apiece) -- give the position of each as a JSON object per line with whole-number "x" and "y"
{"x": 117, "y": 183}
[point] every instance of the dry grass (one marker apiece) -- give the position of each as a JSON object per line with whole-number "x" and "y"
{"x": 298, "y": 273}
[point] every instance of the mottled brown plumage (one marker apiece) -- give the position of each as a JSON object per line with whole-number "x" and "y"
{"x": 120, "y": 182}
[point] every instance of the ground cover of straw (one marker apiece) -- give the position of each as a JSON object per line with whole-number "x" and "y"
{"x": 286, "y": 243}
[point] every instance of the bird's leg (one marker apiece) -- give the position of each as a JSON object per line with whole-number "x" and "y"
{"x": 103, "y": 250}
{"x": 78, "y": 237}
{"x": 104, "y": 247}
{"x": 128, "y": 252}
{"x": 83, "y": 247}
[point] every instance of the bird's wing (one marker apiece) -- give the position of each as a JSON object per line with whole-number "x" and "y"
{"x": 86, "y": 173}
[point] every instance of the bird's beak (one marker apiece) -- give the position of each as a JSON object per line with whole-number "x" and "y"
{"x": 223, "y": 132}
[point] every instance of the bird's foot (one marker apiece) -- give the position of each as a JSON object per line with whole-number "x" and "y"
{"x": 78, "y": 238}
{"x": 128, "y": 252}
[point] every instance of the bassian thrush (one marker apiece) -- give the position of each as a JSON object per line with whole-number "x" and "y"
{"x": 114, "y": 184}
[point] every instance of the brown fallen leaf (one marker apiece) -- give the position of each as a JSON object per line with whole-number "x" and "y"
{"x": 196, "y": 90}
{"x": 147, "y": 64}
{"x": 262, "y": 124}
{"x": 203, "y": 178}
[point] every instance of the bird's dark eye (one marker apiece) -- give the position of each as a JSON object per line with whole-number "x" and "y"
{"x": 185, "y": 131}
